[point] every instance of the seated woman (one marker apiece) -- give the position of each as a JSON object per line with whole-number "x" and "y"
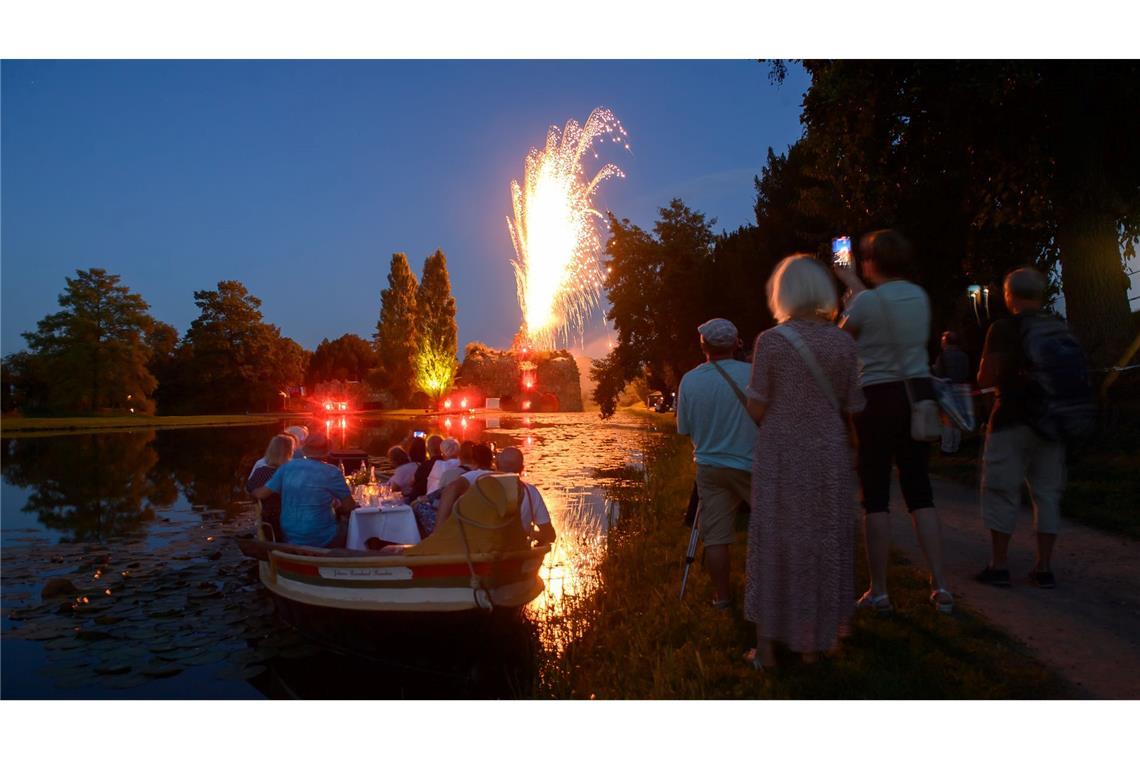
{"x": 279, "y": 451}
{"x": 404, "y": 469}
{"x": 428, "y": 507}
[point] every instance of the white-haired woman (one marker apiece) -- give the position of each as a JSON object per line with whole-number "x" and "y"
{"x": 278, "y": 452}
{"x": 801, "y": 534}
{"x": 448, "y": 459}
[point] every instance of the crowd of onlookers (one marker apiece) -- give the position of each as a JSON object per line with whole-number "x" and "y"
{"x": 307, "y": 501}
{"x": 837, "y": 397}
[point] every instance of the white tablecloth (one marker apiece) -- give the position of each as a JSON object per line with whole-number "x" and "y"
{"x": 389, "y": 522}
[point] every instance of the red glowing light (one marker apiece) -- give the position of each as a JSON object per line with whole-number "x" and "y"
{"x": 463, "y": 423}
{"x": 463, "y": 403}
{"x": 447, "y": 404}
{"x": 526, "y": 405}
{"x": 447, "y": 423}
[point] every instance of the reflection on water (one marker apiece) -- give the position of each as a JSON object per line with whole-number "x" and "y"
{"x": 159, "y": 602}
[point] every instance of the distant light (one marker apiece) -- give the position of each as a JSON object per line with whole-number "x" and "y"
{"x": 463, "y": 403}
{"x": 526, "y": 405}
{"x": 447, "y": 404}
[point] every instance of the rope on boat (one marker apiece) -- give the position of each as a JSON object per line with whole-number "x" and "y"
{"x": 475, "y": 579}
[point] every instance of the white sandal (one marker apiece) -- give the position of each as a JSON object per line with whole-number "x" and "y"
{"x": 880, "y": 604}
{"x": 942, "y": 600}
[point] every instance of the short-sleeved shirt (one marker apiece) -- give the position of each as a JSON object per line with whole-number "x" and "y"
{"x": 908, "y": 309}
{"x": 438, "y": 469}
{"x": 1003, "y": 343}
{"x": 308, "y": 489}
{"x": 533, "y": 508}
{"x": 709, "y": 412}
{"x": 405, "y": 476}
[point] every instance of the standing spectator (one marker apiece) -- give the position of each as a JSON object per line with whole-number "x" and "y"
{"x": 801, "y": 533}
{"x": 953, "y": 365}
{"x": 1023, "y": 446}
{"x": 711, "y": 409}
{"x": 891, "y": 325}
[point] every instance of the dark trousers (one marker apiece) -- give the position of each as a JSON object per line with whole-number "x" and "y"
{"x": 883, "y": 428}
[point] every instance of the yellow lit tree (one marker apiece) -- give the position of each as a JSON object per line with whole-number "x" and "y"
{"x": 435, "y": 370}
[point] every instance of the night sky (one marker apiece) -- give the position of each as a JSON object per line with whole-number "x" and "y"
{"x": 301, "y": 178}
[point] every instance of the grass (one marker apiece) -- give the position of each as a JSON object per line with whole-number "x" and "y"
{"x": 32, "y": 425}
{"x": 1103, "y": 477}
{"x": 630, "y": 637}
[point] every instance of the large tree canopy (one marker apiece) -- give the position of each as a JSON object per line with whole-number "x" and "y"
{"x": 349, "y": 357}
{"x": 436, "y": 361}
{"x": 94, "y": 351}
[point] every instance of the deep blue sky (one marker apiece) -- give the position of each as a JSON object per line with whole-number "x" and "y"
{"x": 302, "y": 178}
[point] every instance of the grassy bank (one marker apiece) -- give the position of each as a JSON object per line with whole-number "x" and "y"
{"x": 631, "y": 638}
{"x": 1103, "y": 477}
{"x": 20, "y": 426}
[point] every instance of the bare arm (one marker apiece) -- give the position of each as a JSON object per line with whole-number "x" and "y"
{"x": 448, "y": 498}
{"x": 756, "y": 410}
{"x": 262, "y": 493}
{"x": 345, "y": 505}
{"x": 545, "y": 534}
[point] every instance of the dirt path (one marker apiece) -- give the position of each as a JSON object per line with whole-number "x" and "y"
{"x": 1087, "y": 629}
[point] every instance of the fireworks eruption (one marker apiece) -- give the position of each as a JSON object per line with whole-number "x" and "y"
{"x": 554, "y": 231}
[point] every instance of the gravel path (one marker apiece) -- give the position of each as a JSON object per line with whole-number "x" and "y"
{"x": 1087, "y": 629}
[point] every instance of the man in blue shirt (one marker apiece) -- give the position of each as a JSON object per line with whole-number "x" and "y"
{"x": 311, "y": 494}
{"x": 711, "y": 410}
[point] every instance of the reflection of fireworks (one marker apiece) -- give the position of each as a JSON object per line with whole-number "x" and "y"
{"x": 556, "y": 243}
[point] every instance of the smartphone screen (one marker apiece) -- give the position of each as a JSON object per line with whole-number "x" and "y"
{"x": 841, "y": 252}
{"x": 420, "y": 434}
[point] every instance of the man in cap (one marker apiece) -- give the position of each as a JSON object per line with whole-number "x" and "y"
{"x": 312, "y": 492}
{"x": 712, "y": 410}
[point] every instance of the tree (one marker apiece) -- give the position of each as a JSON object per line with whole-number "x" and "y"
{"x": 95, "y": 349}
{"x": 396, "y": 334}
{"x": 349, "y": 357}
{"x": 437, "y": 332}
{"x": 989, "y": 165}
{"x": 231, "y": 360}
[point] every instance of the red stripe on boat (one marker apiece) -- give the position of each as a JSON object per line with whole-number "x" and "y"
{"x": 297, "y": 568}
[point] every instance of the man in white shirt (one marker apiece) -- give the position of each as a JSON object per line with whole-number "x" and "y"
{"x": 532, "y": 509}
{"x": 448, "y": 453}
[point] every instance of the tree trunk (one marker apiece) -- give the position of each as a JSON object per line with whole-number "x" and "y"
{"x": 1096, "y": 288}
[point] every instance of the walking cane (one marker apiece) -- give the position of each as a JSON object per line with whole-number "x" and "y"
{"x": 691, "y": 554}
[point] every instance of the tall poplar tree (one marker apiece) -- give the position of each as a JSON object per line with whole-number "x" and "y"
{"x": 396, "y": 333}
{"x": 438, "y": 333}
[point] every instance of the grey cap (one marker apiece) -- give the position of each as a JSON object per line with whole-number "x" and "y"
{"x": 719, "y": 333}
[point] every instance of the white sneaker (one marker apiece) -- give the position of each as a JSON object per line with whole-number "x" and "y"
{"x": 881, "y": 604}
{"x": 942, "y": 600}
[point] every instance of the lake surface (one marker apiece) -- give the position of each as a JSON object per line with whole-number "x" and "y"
{"x": 122, "y": 579}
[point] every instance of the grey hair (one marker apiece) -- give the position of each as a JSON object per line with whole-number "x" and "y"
{"x": 1027, "y": 283}
{"x": 449, "y": 448}
{"x": 801, "y": 287}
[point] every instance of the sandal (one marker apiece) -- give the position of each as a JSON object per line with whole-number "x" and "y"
{"x": 880, "y": 604}
{"x": 753, "y": 659}
{"x": 942, "y": 600}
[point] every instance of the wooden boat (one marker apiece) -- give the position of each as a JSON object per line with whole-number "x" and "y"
{"x": 478, "y": 559}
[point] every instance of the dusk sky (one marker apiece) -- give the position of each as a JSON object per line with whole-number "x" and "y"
{"x": 301, "y": 178}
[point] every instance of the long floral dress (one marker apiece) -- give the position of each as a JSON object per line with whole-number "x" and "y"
{"x": 800, "y": 584}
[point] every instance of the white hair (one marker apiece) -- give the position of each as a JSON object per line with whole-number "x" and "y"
{"x": 449, "y": 448}
{"x": 801, "y": 287}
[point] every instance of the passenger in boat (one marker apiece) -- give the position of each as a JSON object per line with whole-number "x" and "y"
{"x": 428, "y": 509}
{"x": 312, "y": 494}
{"x": 419, "y": 488}
{"x": 279, "y": 451}
{"x": 466, "y": 464}
{"x": 298, "y": 434}
{"x": 448, "y": 459}
{"x": 404, "y": 469}
{"x": 532, "y": 509}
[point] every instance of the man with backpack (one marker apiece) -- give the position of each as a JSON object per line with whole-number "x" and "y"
{"x": 1043, "y": 401}
{"x": 711, "y": 409}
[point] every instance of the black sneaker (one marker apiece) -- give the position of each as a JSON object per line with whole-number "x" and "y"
{"x": 993, "y": 577}
{"x": 1043, "y": 579}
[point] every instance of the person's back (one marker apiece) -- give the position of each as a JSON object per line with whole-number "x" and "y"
{"x": 709, "y": 411}
{"x": 953, "y": 364}
{"x": 891, "y": 325}
{"x": 308, "y": 490}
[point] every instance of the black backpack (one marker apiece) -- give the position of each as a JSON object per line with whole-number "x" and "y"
{"x": 1060, "y": 401}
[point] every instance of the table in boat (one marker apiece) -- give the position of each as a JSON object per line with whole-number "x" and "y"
{"x": 390, "y": 521}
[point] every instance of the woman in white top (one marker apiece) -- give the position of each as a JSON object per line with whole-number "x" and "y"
{"x": 891, "y": 327}
{"x": 448, "y": 459}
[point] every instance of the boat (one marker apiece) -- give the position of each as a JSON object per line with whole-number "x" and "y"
{"x": 477, "y": 561}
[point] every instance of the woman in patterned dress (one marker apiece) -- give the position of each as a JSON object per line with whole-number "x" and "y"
{"x": 801, "y": 534}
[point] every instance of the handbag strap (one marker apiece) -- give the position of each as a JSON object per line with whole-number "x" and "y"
{"x": 735, "y": 388}
{"x": 894, "y": 347}
{"x": 788, "y": 333}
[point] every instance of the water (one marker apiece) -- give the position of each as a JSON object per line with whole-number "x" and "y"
{"x": 122, "y": 578}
